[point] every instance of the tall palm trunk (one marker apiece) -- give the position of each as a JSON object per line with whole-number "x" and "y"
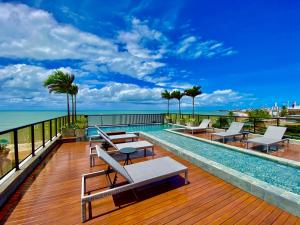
{"x": 193, "y": 108}
{"x": 179, "y": 108}
{"x": 75, "y": 107}
{"x": 68, "y": 108}
{"x": 168, "y": 107}
{"x": 72, "y": 106}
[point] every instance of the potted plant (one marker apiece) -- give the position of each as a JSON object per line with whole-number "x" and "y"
{"x": 80, "y": 128}
{"x": 192, "y": 122}
{"x": 68, "y": 130}
{"x": 181, "y": 121}
{"x": 168, "y": 119}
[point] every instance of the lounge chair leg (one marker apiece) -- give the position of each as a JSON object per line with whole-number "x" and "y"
{"x": 90, "y": 210}
{"x": 186, "y": 180}
{"x": 268, "y": 148}
{"x": 223, "y": 139}
{"x": 145, "y": 150}
{"x": 152, "y": 152}
{"x": 83, "y": 212}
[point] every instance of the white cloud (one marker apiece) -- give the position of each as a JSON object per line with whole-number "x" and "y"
{"x": 140, "y": 35}
{"x": 114, "y": 92}
{"x": 192, "y": 47}
{"x": 219, "y": 97}
{"x": 25, "y": 85}
{"x": 40, "y": 37}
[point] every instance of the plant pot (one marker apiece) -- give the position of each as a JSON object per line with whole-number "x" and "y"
{"x": 68, "y": 132}
{"x": 80, "y": 133}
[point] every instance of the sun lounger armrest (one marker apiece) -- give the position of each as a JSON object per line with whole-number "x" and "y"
{"x": 94, "y": 174}
{"x": 109, "y": 192}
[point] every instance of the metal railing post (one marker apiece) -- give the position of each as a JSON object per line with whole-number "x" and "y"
{"x": 56, "y": 127}
{"x": 43, "y": 133}
{"x": 32, "y": 140}
{"x": 277, "y": 121}
{"x": 254, "y": 125}
{"x": 16, "y": 148}
{"x": 50, "y": 129}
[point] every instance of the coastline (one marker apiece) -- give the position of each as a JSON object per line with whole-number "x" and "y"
{"x": 15, "y": 118}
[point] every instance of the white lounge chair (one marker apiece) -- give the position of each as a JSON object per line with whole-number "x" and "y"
{"x": 272, "y": 136}
{"x": 139, "y": 145}
{"x": 235, "y": 129}
{"x": 96, "y": 139}
{"x": 136, "y": 175}
{"x": 118, "y": 137}
{"x": 202, "y": 127}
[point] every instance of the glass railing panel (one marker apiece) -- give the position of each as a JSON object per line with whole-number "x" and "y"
{"x": 262, "y": 124}
{"x": 59, "y": 124}
{"x": 47, "y": 131}
{"x": 38, "y": 136}
{"x": 7, "y": 153}
{"x": 292, "y": 125}
{"x": 24, "y": 143}
{"x": 53, "y": 122}
{"x": 219, "y": 121}
{"x": 248, "y": 124}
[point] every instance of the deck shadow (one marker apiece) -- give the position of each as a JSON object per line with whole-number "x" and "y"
{"x": 125, "y": 199}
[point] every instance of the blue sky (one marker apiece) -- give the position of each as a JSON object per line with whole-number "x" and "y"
{"x": 244, "y": 54}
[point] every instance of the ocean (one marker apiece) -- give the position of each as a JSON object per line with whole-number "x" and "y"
{"x": 12, "y": 119}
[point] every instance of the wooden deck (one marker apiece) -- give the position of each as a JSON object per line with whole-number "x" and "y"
{"x": 51, "y": 195}
{"x": 288, "y": 151}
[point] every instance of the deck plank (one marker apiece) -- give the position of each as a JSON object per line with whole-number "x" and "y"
{"x": 51, "y": 195}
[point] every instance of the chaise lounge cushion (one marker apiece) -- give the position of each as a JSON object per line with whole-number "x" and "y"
{"x": 156, "y": 168}
{"x": 136, "y": 144}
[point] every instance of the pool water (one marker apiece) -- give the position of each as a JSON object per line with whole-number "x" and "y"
{"x": 132, "y": 128}
{"x": 283, "y": 176}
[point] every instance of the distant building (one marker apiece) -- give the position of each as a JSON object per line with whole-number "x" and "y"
{"x": 294, "y": 109}
{"x": 274, "y": 111}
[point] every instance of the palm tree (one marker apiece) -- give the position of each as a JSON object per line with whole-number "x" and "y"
{"x": 73, "y": 92}
{"x": 167, "y": 95}
{"x": 193, "y": 92}
{"x": 60, "y": 82}
{"x": 178, "y": 95}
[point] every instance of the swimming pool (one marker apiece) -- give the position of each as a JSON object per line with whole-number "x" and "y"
{"x": 133, "y": 128}
{"x": 274, "y": 173}
{"x": 280, "y": 175}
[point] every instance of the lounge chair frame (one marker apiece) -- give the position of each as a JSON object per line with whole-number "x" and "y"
{"x": 204, "y": 125}
{"x": 129, "y": 144}
{"x": 228, "y": 133}
{"x": 268, "y": 139}
{"x": 87, "y": 199}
